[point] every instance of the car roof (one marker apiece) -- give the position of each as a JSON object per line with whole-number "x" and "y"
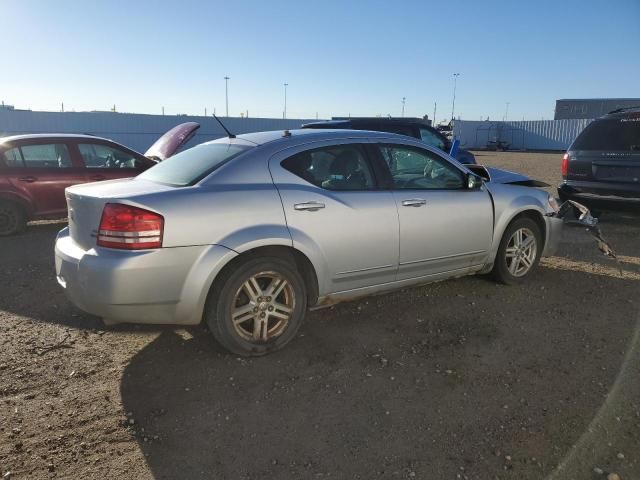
{"x": 369, "y": 120}
{"x": 41, "y": 136}
{"x": 300, "y": 136}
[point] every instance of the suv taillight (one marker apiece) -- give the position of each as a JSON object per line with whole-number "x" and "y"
{"x": 565, "y": 164}
{"x": 129, "y": 228}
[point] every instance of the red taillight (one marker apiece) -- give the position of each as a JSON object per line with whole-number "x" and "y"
{"x": 565, "y": 164}
{"x": 129, "y": 228}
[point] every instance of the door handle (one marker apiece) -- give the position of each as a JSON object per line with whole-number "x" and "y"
{"x": 28, "y": 179}
{"x": 97, "y": 178}
{"x": 309, "y": 206}
{"x": 414, "y": 202}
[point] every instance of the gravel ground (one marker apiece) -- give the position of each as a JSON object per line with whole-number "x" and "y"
{"x": 461, "y": 379}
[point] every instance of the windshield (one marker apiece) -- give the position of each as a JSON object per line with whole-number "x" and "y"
{"x": 191, "y": 166}
{"x": 620, "y": 134}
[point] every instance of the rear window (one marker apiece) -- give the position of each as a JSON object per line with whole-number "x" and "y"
{"x": 191, "y": 166}
{"x": 620, "y": 134}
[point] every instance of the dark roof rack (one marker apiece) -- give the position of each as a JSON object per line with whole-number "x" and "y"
{"x": 624, "y": 109}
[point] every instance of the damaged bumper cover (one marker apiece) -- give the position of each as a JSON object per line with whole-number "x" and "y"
{"x": 583, "y": 218}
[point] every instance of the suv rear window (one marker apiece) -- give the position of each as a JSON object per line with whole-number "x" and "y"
{"x": 619, "y": 134}
{"x": 191, "y": 166}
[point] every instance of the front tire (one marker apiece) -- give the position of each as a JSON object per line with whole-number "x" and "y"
{"x": 12, "y": 219}
{"x": 519, "y": 252}
{"x": 258, "y": 307}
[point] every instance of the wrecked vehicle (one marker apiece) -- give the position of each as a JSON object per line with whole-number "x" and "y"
{"x": 36, "y": 168}
{"x": 248, "y": 232}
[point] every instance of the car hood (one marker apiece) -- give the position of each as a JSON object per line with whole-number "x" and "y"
{"x": 171, "y": 141}
{"x": 497, "y": 175}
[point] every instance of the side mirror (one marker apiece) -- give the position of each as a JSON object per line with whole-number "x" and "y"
{"x": 474, "y": 182}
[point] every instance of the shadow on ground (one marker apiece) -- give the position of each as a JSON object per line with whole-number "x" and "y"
{"x": 502, "y": 381}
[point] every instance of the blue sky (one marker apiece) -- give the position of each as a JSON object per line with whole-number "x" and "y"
{"x": 338, "y": 57}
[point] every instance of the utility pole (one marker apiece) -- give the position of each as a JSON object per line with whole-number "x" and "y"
{"x": 404, "y": 99}
{"x": 61, "y": 106}
{"x": 453, "y": 105}
{"x": 435, "y": 105}
{"x": 226, "y": 93}
{"x": 506, "y": 112}
{"x": 284, "y": 112}
{"x": 205, "y": 111}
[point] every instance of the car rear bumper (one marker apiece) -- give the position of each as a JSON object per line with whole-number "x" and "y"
{"x": 598, "y": 194}
{"x": 163, "y": 286}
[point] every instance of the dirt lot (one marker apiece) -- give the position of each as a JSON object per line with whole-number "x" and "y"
{"x": 462, "y": 379}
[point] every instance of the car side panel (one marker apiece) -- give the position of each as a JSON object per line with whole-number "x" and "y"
{"x": 42, "y": 188}
{"x": 238, "y": 207}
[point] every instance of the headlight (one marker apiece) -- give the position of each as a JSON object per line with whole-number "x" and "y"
{"x": 553, "y": 204}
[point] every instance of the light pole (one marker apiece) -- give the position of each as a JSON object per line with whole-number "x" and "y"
{"x": 284, "y": 112}
{"x": 453, "y": 105}
{"x": 506, "y": 112}
{"x": 404, "y": 99}
{"x": 226, "y": 93}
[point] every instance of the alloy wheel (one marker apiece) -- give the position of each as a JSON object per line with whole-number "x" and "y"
{"x": 262, "y": 307}
{"x": 521, "y": 252}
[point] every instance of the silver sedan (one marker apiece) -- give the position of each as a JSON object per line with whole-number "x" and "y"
{"x": 247, "y": 233}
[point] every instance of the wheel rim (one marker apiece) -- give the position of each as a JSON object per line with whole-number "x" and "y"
{"x": 262, "y": 307}
{"x": 521, "y": 252}
{"x": 8, "y": 220}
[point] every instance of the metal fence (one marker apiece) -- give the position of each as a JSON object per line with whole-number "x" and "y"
{"x": 136, "y": 131}
{"x": 519, "y": 135}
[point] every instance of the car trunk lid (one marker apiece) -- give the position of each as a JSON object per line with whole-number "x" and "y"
{"x": 623, "y": 167}
{"x": 170, "y": 142}
{"x": 86, "y": 202}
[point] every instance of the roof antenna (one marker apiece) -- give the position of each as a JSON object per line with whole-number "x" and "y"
{"x": 229, "y": 134}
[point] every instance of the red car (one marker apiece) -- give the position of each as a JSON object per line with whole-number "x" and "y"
{"x": 35, "y": 169}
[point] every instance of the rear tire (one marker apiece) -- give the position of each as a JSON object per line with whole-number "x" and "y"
{"x": 12, "y": 219}
{"x": 519, "y": 252}
{"x": 257, "y": 307}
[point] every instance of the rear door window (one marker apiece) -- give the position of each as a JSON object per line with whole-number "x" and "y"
{"x": 616, "y": 134}
{"x": 341, "y": 167}
{"x": 50, "y": 155}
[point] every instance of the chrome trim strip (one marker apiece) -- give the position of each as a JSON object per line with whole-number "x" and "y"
{"x": 443, "y": 258}
{"x": 368, "y": 269}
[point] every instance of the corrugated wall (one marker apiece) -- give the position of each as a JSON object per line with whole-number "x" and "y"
{"x": 136, "y": 131}
{"x": 521, "y": 135}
